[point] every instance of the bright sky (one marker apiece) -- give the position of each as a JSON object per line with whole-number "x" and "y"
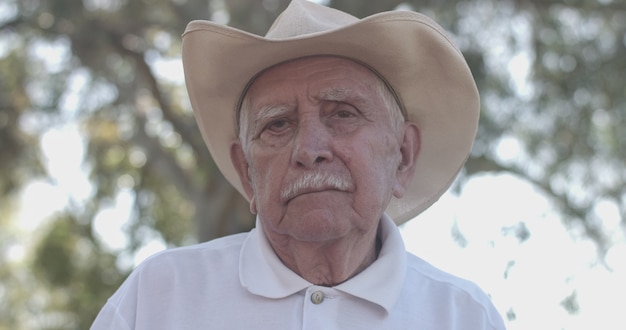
{"x": 541, "y": 271}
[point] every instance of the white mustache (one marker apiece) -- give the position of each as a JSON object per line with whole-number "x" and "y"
{"x": 315, "y": 181}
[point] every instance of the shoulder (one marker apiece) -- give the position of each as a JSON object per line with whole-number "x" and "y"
{"x": 169, "y": 284}
{"x": 439, "y": 291}
{"x": 179, "y": 268}
{"x": 427, "y": 274}
{"x": 199, "y": 262}
{"x": 218, "y": 250}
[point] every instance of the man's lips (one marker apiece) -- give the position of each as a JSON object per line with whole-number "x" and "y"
{"x": 316, "y": 182}
{"x": 314, "y": 191}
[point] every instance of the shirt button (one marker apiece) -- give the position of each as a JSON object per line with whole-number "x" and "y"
{"x": 317, "y": 297}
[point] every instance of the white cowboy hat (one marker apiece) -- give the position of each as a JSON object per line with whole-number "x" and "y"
{"x": 412, "y": 53}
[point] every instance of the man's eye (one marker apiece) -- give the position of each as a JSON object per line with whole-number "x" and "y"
{"x": 278, "y": 125}
{"x": 344, "y": 114}
{"x": 345, "y": 111}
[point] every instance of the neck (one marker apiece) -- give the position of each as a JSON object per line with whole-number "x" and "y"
{"x": 328, "y": 263}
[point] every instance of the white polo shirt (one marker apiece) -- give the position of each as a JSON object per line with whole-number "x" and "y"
{"x": 238, "y": 282}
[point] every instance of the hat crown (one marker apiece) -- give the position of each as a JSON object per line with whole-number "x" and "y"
{"x": 303, "y": 17}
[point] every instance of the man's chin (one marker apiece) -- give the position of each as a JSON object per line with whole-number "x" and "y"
{"x": 316, "y": 224}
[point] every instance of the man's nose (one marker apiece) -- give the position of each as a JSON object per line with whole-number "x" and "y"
{"x": 312, "y": 144}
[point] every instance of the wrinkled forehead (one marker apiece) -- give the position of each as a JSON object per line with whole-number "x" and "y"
{"x": 330, "y": 93}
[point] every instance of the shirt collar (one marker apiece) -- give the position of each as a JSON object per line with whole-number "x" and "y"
{"x": 382, "y": 282}
{"x": 262, "y": 272}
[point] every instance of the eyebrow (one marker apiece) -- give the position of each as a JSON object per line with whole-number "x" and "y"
{"x": 335, "y": 94}
{"x": 344, "y": 95}
{"x": 268, "y": 112}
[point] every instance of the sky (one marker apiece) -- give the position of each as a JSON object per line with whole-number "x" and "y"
{"x": 531, "y": 277}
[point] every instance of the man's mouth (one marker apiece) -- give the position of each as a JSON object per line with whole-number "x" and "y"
{"x": 314, "y": 183}
{"x": 313, "y": 191}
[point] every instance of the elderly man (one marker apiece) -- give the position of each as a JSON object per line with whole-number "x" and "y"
{"x": 336, "y": 130}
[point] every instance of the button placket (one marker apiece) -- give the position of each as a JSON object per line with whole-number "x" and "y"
{"x": 320, "y": 308}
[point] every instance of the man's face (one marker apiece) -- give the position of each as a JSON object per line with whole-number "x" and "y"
{"x": 319, "y": 155}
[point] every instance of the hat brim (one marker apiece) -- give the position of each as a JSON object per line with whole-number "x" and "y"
{"x": 413, "y": 54}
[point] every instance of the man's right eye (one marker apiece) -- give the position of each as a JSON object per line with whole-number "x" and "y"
{"x": 278, "y": 125}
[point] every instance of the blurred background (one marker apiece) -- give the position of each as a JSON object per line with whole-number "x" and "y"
{"x": 102, "y": 165}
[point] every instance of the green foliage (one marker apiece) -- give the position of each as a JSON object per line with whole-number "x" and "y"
{"x": 54, "y": 256}
{"x": 80, "y": 274}
{"x": 17, "y": 160}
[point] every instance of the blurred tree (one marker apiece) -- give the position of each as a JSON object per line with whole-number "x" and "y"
{"x": 550, "y": 75}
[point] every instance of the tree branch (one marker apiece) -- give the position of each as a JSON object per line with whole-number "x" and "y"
{"x": 583, "y": 5}
{"x": 189, "y": 133}
{"x": 12, "y": 23}
{"x": 579, "y": 214}
{"x": 164, "y": 162}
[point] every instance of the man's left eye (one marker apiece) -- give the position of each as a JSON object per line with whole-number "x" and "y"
{"x": 345, "y": 110}
{"x": 344, "y": 114}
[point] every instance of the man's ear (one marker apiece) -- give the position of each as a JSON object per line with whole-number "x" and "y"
{"x": 238, "y": 158}
{"x": 409, "y": 151}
